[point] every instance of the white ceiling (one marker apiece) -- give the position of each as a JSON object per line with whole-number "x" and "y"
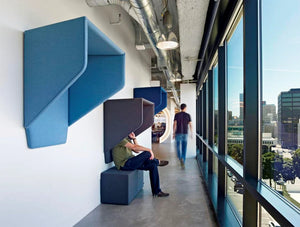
{"x": 192, "y": 15}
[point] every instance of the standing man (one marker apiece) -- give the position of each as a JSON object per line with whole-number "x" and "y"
{"x": 125, "y": 160}
{"x": 180, "y": 132}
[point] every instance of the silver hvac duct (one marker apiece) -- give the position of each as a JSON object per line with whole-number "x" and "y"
{"x": 142, "y": 11}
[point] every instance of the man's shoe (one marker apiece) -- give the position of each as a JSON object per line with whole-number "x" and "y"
{"x": 161, "y": 194}
{"x": 163, "y": 163}
{"x": 182, "y": 164}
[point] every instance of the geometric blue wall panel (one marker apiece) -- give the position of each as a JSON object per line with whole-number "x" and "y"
{"x": 157, "y": 95}
{"x": 69, "y": 68}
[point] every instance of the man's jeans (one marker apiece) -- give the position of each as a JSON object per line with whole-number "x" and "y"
{"x": 181, "y": 144}
{"x": 143, "y": 162}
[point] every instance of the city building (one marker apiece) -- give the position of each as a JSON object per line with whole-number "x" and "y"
{"x": 229, "y": 114}
{"x": 269, "y": 113}
{"x": 241, "y": 106}
{"x": 271, "y": 128}
{"x": 288, "y": 118}
{"x": 236, "y": 136}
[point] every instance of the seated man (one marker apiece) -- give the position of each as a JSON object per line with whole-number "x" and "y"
{"x": 125, "y": 160}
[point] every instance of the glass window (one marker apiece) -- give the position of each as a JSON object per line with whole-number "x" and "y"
{"x": 235, "y": 191}
{"x": 280, "y": 87}
{"x": 296, "y": 99}
{"x": 215, "y": 165}
{"x": 267, "y": 220}
{"x": 216, "y": 103}
{"x": 296, "y": 95}
{"x": 235, "y": 95}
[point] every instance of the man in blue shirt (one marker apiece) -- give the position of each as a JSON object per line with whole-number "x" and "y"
{"x": 182, "y": 121}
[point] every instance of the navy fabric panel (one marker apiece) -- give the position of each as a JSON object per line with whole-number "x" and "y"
{"x": 55, "y": 57}
{"x": 157, "y": 95}
{"x": 103, "y": 77}
{"x": 120, "y": 187}
{"x": 164, "y": 101}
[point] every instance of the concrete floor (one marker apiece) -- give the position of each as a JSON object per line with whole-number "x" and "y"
{"x": 187, "y": 204}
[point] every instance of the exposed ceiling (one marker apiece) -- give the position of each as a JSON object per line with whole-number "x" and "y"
{"x": 188, "y": 21}
{"x": 156, "y": 19}
{"x": 192, "y": 15}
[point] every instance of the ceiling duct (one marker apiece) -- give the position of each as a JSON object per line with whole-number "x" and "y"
{"x": 142, "y": 11}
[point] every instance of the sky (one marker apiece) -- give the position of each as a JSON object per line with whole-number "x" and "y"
{"x": 280, "y": 53}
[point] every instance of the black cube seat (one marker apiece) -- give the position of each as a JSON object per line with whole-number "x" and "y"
{"x": 120, "y": 187}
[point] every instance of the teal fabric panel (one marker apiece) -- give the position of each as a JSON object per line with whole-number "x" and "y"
{"x": 105, "y": 47}
{"x": 103, "y": 77}
{"x": 55, "y": 58}
{"x": 51, "y": 126}
{"x": 157, "y": 95}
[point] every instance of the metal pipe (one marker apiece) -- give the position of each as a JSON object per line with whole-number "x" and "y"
{"x": 142, "y": 11}
{"x": 124, "y": 4}
{"x": 173, "y": 89}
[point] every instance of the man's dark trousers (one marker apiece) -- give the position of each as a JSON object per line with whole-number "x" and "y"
{"x": 143, "y": 162}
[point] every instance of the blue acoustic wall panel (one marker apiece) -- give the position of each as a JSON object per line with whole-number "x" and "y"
{"x": 55, "y": 58}
{"x": 157, "y": 95}
{"x": 123, "y": 116}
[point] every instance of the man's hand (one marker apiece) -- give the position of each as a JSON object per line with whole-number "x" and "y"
{"x": 152, "y": 155}
{"x": 132, "y": 135}
{"x": 173, "y": 136}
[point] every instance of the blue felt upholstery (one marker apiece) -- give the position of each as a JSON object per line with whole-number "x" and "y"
{"x": 157, "y": 95}
{"x": 69, "y": 68}
{"x": 120, "y": 187}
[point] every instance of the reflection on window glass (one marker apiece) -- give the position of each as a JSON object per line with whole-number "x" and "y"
{"x": 235, "y": 191}
{"x": 215, "y": 165}
{"x": 235, "y": 95}
{"x": 267, "y": 220}
{"x": 280, "y": 100}
{"x": 215, "y": 73}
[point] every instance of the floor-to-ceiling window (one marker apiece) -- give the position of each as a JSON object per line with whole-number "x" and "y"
{"x": 215, "y": 111}
{"x": 215, "y": 93}
{"x": 258, "y": 113}
{"x": 235, "y": 111}
{"x": 281, "y": 97}
{"x": 235, "y": 94}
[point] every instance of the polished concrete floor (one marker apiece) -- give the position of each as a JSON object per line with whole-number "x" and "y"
{"x": 187, "y": 204}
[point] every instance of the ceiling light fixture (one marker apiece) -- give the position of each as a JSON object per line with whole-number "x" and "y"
{"x": 176, "y": 78}
{"x": 169, "y": 44}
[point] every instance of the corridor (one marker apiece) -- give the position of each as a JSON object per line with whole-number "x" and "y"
{"x": 187, "y": 204}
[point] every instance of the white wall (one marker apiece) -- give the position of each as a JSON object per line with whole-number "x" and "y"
{"x": 188, "y": 96}
{"x": 56, "y": 185}
{"x": 171, "y": 106}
